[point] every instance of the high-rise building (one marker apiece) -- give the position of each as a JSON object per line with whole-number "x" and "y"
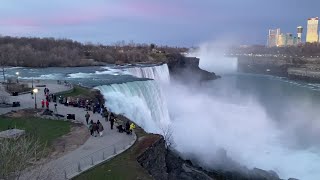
{"x": 299, "y": 35}
{"x": 289, "y": 39}
{"x": 282, "y": 40}
{"x": 312, "y": 30}
{"x": 273, "y": 37}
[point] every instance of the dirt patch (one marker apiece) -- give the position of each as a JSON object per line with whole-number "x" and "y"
{"x": 78, "y": 136}
{"x": 23, "y": 113}
{"x": 15, "y": 87}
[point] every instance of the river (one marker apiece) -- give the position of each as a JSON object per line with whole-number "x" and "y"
{"x": 262, "y": 121}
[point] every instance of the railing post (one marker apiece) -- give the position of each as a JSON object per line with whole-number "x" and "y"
{"x": 91, "y": 160}
{"x": 114, "y": 150}
{"x": 65, "y": 174}
{"x": 79, "y": 168}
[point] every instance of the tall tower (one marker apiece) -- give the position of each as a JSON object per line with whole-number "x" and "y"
{"x": 273, "y": 37}
{"x": 312, "y": 30}
{"x": 299, "y": 34}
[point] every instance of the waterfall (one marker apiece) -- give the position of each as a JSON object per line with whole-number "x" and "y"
{"x": 141, "y": 101}
{"x": 158, "y": 73}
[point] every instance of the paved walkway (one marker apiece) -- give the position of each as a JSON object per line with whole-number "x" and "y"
{"x": 95, "y": 150}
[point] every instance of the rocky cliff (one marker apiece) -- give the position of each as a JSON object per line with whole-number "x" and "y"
{"x": 263, "y": 65}
{"x": 187, "y": 68}
{"x": 296, "y": 68}
{"x": 163, "y": 164}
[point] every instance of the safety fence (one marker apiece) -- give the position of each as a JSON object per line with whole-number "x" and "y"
{"x": 75, "y": 168}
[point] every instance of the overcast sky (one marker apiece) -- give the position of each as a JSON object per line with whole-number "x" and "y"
{"x": 172, "y": 22}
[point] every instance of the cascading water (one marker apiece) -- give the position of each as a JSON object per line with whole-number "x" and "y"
{"x": 158, "y": 73}
{"x": 141, "y": 101}
{"x": 224, "y": 118}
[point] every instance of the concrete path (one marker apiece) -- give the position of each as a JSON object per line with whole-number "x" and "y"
{"x": 94, "y": 151}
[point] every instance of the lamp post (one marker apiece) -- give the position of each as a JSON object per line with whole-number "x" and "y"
{"x": 17, "y": 73}
{"x": 32, "y": 89}
{"x": 35, "y": 91}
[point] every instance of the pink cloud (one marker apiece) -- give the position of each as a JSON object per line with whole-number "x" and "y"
{"x": 148, "y": 9}
{"x": 18, "y": 22}
{"x": 102, "y": 11}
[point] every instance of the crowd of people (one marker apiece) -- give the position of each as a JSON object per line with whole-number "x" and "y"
{"x": 96, "y": 128}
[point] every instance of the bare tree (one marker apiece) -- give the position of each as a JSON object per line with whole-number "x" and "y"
{"x": 167, "y": 134}
{"x": 17, "y": 154}
{"x": 4, "y": 99}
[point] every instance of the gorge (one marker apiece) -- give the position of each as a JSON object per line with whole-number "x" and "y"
{"x": 253, "y": 117}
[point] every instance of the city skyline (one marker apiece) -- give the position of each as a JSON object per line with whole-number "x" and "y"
{"x": 276, "y": 38}
{"x": 182, "y": 22}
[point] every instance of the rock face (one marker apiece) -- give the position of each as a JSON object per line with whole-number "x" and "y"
{"x": 154, "y": 160}
{"x": 187, "y": 68}
{"x": 263, "y": 65}
{"x": 163, "y": 164}
{"x": 179, "y": 169}
{"x": 298, "y": 68}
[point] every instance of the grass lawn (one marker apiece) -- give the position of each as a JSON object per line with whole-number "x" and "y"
{"x": 45, "y": 130}
{"x": 123, "y": 166}
{"x": 77, "y": 90}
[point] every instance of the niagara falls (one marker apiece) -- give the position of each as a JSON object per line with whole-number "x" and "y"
{"x": 159, "y": 90}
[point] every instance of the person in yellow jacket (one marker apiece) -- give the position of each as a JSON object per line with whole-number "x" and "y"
{"x": 132, "y": 126}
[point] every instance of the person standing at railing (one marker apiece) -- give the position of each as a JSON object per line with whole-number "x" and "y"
{"x": 132, "y": 127}
{"x": 112, "y": 118}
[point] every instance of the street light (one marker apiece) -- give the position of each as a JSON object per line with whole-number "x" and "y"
{"x": 35, "y": 91}
{"x": 17, "y": 73}
{"x": 32, "y": 89}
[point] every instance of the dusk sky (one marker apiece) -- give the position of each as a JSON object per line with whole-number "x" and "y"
{"x": 172, "y": 22}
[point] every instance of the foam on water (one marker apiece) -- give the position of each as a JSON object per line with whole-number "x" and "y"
{"x": 158, "y": 73}
{"x": 45, "y": 76}
{"x": 109, "y": 72}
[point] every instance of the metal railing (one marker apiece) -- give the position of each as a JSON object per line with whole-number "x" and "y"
{"x": 85, "y": 163}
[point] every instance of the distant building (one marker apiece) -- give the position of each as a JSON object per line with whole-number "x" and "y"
{"x": 282, "y": 40}
{"x": 273, "y": 37}
{"x": 299, "y": 35}
{"x": 289, "y": 39}
{"x": 312, "y": 30}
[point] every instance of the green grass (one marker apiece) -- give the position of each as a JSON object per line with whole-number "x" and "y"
{"x": 122, "y": 167}
{"x": 77, "y": 91}
{"x": 46, "y": 130}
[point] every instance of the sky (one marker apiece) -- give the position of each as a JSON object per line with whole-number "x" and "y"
{"x": 167, "y": 22}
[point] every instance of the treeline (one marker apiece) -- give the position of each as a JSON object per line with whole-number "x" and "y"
{"x": 50, "y": 52}
{"x": 307, "y": 50}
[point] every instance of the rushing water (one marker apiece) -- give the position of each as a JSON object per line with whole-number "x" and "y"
{"x": 158, "y": 73}
{"x": 142, "y": 101}
{"x": 262, "y": 121}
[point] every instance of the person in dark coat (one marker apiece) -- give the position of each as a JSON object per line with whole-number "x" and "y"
{"x": 112, "y": 117}
{"x": 87, "y": 116}
{"x": 95, "y": 129}
{"x": 128, "y": 127}
{"x": 100, "y": 128}
{"x": 91, "y": 127}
